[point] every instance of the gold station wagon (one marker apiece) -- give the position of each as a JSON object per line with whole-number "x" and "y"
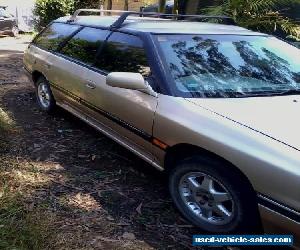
{"x": 214, "y": 105}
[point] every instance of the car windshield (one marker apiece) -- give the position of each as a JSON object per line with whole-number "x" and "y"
{"x": 230, "y": 66}
{"x": 4, "y": 13}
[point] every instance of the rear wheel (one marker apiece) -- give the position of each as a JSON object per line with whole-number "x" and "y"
{"x": 44, "y": 95}
{"x": 15, "y": 31}
{"x": 213, "y": 197}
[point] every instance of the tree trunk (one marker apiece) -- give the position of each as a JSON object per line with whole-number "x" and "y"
{"x": 125, "y": 4}
{"x": 162, "y": 6}
{"x": 109, "y": 4}
{"x": 176, "y": 7}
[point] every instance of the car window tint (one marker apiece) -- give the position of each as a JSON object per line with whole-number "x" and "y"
{"x": 85, "y": 44}
{"x": 123, "y": 53}
{"x": 56, "y": 33}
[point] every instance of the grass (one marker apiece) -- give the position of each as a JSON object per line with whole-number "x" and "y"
{"x": 6, "y": 126}
{"x": 6, "y": 123}
{"x": 22, "y": 226}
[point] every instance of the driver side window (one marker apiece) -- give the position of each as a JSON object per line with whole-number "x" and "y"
{"x": 123, "y": 53}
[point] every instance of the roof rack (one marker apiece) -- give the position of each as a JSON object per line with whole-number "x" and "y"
{"x": 79, "y": 11}
{"x": 125, "y": 14}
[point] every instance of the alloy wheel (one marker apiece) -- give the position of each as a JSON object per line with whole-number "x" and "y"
{"x": 207, "y": 198}
{"x": 44, "y": 95}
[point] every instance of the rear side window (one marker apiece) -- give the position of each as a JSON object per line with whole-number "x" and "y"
{"x": 56, "y": 33}
{"x": 85, "y": 44}
{"x": 123, "y": 53}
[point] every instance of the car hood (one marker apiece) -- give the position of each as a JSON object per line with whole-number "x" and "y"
{"x": 277, "y": 117}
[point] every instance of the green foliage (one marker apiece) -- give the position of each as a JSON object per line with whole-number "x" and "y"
{"x": 19, "y": 228}
{"x": 161, "y": 6}
{"x": 260, "y": 15}
{"x": 49, "y": 10}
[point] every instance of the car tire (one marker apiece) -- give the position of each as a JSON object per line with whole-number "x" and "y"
{"x": 45, "y": 98}
{"x": 214, "y": 197}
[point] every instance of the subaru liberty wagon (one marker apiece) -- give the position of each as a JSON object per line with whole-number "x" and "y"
{"x": 215, "y": 106}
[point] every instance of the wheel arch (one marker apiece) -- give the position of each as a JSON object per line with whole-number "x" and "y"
{"x": 36, "y": 75}
{"x": 185, "y": 151}
{"x": 181, "y": 151}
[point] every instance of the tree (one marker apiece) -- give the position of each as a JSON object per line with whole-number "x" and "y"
{"x": 260, "y": 15}
{"x": 176, "y": 7}
{"x": 109, "y": 4}
{"x": 81, "y": 4}
{"x": 161, "y": 6}
{"x": 125, "y": 4}
{"x": 48, "y": 10}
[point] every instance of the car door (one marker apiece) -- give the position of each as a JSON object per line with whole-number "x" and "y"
{"x": 64, "y": 75}
{"x": 129, "y": 113}
{"x": 72, "y": 62}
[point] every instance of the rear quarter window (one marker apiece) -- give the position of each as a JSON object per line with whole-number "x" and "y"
{"x": 52, "y": 36}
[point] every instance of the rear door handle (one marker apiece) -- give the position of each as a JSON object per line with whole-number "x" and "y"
{"x": 90, "y": 85}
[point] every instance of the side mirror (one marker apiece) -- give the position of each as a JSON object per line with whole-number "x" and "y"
{"x": 127, "y": 80}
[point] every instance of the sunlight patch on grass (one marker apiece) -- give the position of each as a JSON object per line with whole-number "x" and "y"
{"x": 24, "y": 223}
{"x": 27, "y": 176}
{"x": 82, "y": 201}
{"x": 6, "y": 123}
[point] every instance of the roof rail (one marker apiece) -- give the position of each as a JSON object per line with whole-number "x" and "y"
{"x": 79, "y": 11}
{"x": 118, "y": 23}
{"x": 125, "y": 14}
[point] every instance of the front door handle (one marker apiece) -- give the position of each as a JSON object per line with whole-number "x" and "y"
{"x": 90, "y": 85}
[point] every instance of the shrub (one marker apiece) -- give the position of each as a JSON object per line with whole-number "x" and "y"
{"x": 49, "y": 10}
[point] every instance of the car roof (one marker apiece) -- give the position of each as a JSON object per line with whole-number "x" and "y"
{"x": 160, "y": 25}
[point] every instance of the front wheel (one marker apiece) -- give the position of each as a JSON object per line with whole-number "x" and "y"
{"x": 213, "y": 197}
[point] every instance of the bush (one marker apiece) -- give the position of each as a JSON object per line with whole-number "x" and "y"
{"x": 49, "y": 10}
